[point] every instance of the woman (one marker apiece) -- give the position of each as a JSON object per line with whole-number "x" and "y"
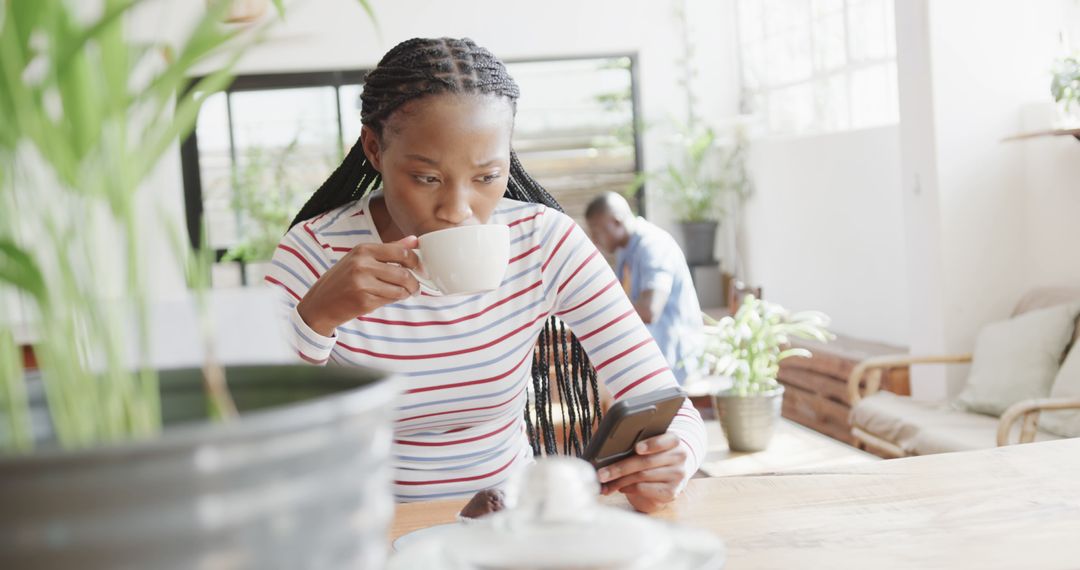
{"x": 434, "y": 152}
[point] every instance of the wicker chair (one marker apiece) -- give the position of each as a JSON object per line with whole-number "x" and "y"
{"x": 899, "y": 426}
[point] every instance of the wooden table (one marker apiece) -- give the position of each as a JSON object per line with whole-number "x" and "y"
{"x": 1012, "y": 507}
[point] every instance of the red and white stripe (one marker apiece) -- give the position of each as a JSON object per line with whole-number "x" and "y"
{"x": 464, "y": 363}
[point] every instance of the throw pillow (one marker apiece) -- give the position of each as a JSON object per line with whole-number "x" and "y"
{"x": 1017, "y": 359}
{"x": 1066, "y": 385}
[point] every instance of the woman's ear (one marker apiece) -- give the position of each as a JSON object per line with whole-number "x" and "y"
{"x": 372, "y": 148}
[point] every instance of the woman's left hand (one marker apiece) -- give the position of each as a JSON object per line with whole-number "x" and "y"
{"x": 653, "y": 477}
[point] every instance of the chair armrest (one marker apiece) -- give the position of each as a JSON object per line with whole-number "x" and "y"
{"x": 1029, "y": 410}
{"x": 872, "y": 369}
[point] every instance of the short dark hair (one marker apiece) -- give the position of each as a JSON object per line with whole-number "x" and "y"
{"x": 611, "y": 203}
{"x": 597, "y": 206}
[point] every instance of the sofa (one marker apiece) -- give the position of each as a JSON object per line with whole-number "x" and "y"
{"x": 893, "y": 425}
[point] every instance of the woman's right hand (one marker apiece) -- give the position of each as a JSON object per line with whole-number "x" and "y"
{"x": 369, "y": 276}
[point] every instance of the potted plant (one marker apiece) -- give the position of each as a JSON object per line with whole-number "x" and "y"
{"x": 266, "y": 194}
{"x": 706, "y": 169}
{"x": 698, "y": 183}
{"x": 1065, "y": 88}
{"x": 109, "y": 464}
{"x": 748, "y": 347}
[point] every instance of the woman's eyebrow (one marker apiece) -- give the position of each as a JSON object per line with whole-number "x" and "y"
{"x": 491, "y": 162}
{"x": 423, "y": 158}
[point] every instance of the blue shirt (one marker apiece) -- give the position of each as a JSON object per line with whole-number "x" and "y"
{"x": 653, "y": 260}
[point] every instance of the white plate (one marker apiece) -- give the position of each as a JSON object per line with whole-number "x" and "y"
{"x": 408, "y": 538}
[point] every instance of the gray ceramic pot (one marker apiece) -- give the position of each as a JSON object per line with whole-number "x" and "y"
{"x": 749, "y": 421}
{"x": 700, "y": 241}
{"x": 302, "y": 480}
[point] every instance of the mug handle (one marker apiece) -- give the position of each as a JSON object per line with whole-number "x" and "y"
{"x": 426, "y": 284}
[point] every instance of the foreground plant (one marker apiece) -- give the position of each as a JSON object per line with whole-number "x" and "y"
{"x": 85, "y": 116}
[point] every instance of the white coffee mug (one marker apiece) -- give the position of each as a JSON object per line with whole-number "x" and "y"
{"x": 463, "y": 260}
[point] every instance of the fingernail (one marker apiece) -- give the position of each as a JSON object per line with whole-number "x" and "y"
{"x": 604, "y": 475}
{"x": 642, "y": 447}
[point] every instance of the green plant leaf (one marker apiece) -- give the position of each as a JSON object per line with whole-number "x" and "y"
{"x": 208, "y": 36}
{"x": 17, "y": 268}
{"x": 800, "y": 352}
{"x": 81, "y": 97}
{"x": 700, "y": 145}
{"x": 25, "y": 17}
{"x": 74, "y": 44}
{"x": 187, "y": 111}
{"x": 114, "y": 55}
{"x": 366, "y": 5}
{"x": 13, "y": 401}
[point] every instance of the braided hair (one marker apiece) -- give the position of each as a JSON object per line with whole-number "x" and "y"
{"x": 423, "y": 67}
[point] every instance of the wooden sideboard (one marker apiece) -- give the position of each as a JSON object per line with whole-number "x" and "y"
{"x": 816, "y": 388}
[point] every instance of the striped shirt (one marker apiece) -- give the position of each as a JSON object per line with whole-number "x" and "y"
{"x": 464, "y": 361}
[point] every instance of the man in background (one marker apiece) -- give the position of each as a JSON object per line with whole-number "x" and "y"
{"x": 654, "y": 274}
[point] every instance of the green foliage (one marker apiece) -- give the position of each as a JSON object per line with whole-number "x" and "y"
{"x": 750, "y": 345}
{"x": 18, "y": 269}
{"x": 15, "y": 431}
{"x": 266, "y": 196}
{"x": 704, "y": 174}
{"x": 85, "y": 115}
{"x": 74, "y": 153}
{"x": 1065, "y": 85}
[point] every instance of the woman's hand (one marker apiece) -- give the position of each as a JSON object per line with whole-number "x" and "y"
{"x": 653, "y": 477}
{"x": 369, "y": 276}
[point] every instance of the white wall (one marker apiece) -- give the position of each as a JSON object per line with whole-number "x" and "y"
{"x": 986, "y": 220}
{"x": 824, "y": 229}
{"x": 1052, "y": 194}
{"x": 919, "y": 184}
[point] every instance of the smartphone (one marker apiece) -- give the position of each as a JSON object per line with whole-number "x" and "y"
{"x": 630, "y": 421}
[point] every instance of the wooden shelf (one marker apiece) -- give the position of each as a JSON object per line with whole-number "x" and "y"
{"x": 1051, "y": 133}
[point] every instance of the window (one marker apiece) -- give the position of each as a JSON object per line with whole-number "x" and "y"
{"x": 263, "y": 146}
{"x": 575, "y": 130}
{"x": 812, "y": 66}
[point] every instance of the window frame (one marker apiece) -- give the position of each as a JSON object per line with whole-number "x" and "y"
{"x": 189, "y": 147}
{"x": 848, "y": 69}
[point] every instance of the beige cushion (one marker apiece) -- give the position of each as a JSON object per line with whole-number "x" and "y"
{"x": 1017, "y": 359}
{"x": 1066, "y": 385}
{"x": 1047, "y": 297}
{"x": 924, "y": 428}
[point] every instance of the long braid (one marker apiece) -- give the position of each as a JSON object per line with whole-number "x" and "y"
{"x": 422, "y": 67}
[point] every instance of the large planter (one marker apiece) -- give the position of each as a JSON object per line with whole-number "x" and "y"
{"x": 699, "y": 239}
{"x": 301, "y": 480}
{"x": 749, "y": 421}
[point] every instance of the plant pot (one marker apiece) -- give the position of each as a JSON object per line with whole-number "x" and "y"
{"x": 749, "y": 421}
{"x": 255, "y": 272}
{"x": 1067, "y": 115}
{"x": 301, "y": 480}
{"x": 700, "y": 242}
